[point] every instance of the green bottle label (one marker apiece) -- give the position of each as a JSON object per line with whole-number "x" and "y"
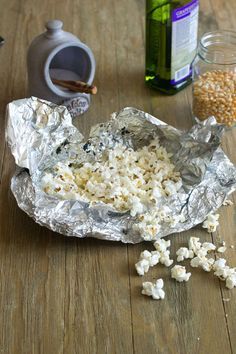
{"x": 184, "y": 40}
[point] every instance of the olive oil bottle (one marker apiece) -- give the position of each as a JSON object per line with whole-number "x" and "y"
{"x": 171, "y": 43}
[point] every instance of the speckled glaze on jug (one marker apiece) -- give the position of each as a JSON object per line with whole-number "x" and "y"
{"x": 57, "y": 49}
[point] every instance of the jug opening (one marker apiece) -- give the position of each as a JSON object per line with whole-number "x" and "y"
{"x": 68, "y": 63}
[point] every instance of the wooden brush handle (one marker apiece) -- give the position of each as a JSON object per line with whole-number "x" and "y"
{"x": 76, "y": 86}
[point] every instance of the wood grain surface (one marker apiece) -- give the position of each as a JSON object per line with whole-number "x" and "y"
{"x": 65, "y": 295}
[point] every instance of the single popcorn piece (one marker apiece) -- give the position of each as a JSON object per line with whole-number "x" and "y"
{"x": 194, "y": 244}
{"x": 147, "y": 259}
{"x": 231, "y": 281}
{"x": 142, "y": 266}
{"x": 145, "y": 255}
{"x": 223, "y": 271}
{"x": 202, "y": 252}
{"x": 155, "y": 258}
{"x": 161, "y": 245}
{"x": 219, "y": 263}
{"x": 221, "y": 249}
{"x": 152, "y": 257}
{"x": 202, "y": 262}
{"x": 179, "y": 273}
{"x": 211, "y": 222}
{"x": 209, "y": 246}
{"x": 165, "y": 258}
{"x": 227, "y": 202}
{"x": 184, "y": 253}
{"x": 154, "y": 290}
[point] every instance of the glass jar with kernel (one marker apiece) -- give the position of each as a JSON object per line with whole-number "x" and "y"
{"x": 214, "y": 77}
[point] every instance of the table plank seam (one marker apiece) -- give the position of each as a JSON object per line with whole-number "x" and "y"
{"x": 224, "y": 309}
{"x": 130, "y": 298}
{"x": 226, "y": 319}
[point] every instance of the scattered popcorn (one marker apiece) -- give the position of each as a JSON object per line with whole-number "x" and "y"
{"x": 231, "y": 281}
{"x": 226, "y": 299}
{"x": 200, "y": 250}
{"x": 202, "y": 262}
{"x": 179, "y": 273}
{"x": 184, "y": 253}
{"x": 142, "y": 266}
{"x": 161, "y": 245}
{"x": 154, "y": 290}
{"x": 221, "y": 249}
{"x": 211, "y": 222}
{"x": 228, "y": 202}
{"x": 194, "y": 244}
{"x": 232, "y": 246}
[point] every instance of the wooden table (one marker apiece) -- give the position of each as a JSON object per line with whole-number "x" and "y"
{"x": 65, "y": 295}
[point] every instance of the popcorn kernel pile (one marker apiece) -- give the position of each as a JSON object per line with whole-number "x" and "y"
{"x": 214, "y": 94}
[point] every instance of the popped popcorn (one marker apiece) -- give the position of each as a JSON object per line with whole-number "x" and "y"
{"x": 231, "y": 281}
{"x": 198, "y": 253}
{"x": 221, "y": 249}
{"x": 161, "y": 244}
{"x": 149, "y": 223}
{"x": 155, "y": 290}
{"x": 194, "y": 244}
{"x": 152, "y": 257}
{"x": 165, "y": 258}
{"x": 127, "y": 179}
{"x": 142, "y": 266}
{"x": 145, "y": 255}
{"x": 223, "y": 271}
{"x": 202, "y": 252}
{"x": 184, "y": 253}
{"x": 155, "y": 258}
{"x": 209, "y": 246}
{"x": 211, "y": 222}
{"x": 219, "y": 263}
{"x": 179, "y": 273}
{"x": 202, "y": 262}
{"x": 227, "y": 202}
{"x": 147, "y": 259}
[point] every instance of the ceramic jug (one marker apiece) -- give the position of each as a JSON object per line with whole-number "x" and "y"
{"x": 61, "y": 55}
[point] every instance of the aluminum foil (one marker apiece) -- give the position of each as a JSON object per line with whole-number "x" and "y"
{"x": 40, "y": 134}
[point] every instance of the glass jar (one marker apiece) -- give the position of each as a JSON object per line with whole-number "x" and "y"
{"x": 214, "y": 77}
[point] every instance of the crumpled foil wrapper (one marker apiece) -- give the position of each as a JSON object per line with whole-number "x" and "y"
{"x": 40, "y": 133}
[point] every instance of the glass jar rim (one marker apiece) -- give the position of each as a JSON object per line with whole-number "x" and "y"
{"x": 218, "y": 47}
